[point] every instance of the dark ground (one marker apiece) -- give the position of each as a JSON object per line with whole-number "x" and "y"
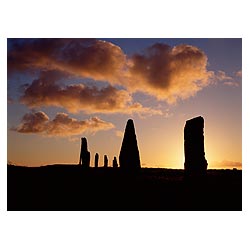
{"x": 70, "y": 187}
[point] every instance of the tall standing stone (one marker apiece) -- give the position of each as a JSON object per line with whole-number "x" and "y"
{"x": 129, "y": 157}
{"x": 96, "y": 160}
{"x": 195, "y": 162}
{"x": 84, "y": 154}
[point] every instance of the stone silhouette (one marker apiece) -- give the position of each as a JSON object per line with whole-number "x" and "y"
{"x": 105, "y": 161}
{"x": 115, "y": 164}
{"x": 96, "y": 160}
{"x": 129, "y": 157}
{"x": 195, "y": 162}
{"x": 84, "y": 154}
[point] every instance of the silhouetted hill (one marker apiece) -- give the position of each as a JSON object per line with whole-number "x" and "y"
{"x": 71, "y": 187}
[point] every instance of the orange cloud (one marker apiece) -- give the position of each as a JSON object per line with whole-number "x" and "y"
{"x": 119, "y": 133}
{"x": 169, "y": 73}
{"x": 33, "y": 123}
{"x": 62, "y": 125}
{"x": 44, "y": 91}
{"x": 92, "y": 58}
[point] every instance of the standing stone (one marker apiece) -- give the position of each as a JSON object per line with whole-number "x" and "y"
{"x": 195, "y": 162}
{"x": 129, "y": 157}
{"x": 105, "y": 161}
{"x": 96, "y": 160}
{"x": 115, "y": 164}
{"x": 84, "y": 154}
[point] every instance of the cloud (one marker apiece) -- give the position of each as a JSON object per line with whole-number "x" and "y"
{"x": 33, "y": 123}
{"x": 97, "y": 59}
{"x": 44, "y": 91}
{"x": 119, "y": 133}
{"x": 239, "y": 73}
{"x": 62, "y": 125}
{"x": 169, "y": 73}
{"x": 221, "y": 76}
{"x": 232, "y": 83}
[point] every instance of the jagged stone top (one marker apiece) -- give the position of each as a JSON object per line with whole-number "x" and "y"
{"x": 198, "y": 118}
{"x": 195, "y": 120}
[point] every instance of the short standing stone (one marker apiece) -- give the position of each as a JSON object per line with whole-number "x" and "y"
{"x": 115, "y": 164}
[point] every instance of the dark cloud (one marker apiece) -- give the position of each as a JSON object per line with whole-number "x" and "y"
{"x": 92, "y": 58}
{"x": 169, "y": 73}
{"x": 62, "y": 125}
{"x": 44, "y": 91}
{"x": 33, "y": 123}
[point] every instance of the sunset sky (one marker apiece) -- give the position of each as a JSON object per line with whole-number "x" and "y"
{"x": 60, "y": 90}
